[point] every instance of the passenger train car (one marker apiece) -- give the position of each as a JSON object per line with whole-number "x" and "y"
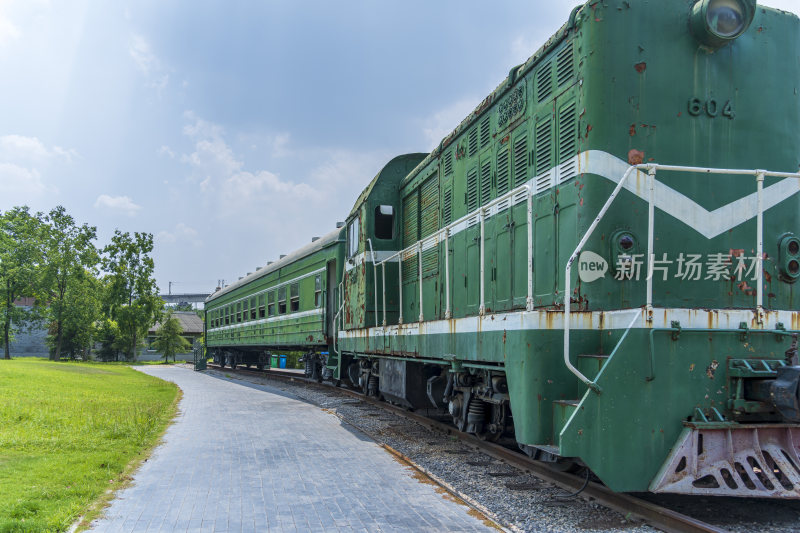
{"x": 593, "y": 261}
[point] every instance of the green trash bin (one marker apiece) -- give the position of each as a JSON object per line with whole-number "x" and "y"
{"x": 274, "y": 361}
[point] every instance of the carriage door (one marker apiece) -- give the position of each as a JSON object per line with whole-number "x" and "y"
{"x": 330, "y": 299}
{"x": 428, "y": 225}
{"x": 504, "y": 227}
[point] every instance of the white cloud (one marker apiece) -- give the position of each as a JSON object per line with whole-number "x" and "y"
{"x": 31, "y": 149}
{"x": 180, "y": 234}
{"x": 223, "y": 178}
{"x": 280, "y": 145}
{"x": 117, "y": 203}
{"x": 22, "y": 160}
{"x": 444, "y": 121}
{"x": 20, "y": 182}
{"x": 8, "y": 31}
{"x": 167, "y": 151}
{"x": 148, "y": 63}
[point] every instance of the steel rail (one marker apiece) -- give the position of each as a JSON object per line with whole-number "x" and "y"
{"x": 657, "y": 516}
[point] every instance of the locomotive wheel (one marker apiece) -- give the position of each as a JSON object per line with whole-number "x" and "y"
{"x": 490, "y": 436}
{"x": 495, "y": 430}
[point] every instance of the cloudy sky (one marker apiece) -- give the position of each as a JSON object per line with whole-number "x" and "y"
{"x": 236, "y": 131}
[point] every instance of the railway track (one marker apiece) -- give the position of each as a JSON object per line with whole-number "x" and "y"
{"x": 630, "y": 506}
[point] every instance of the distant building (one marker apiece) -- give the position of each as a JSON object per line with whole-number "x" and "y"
{"x": 29, "y": 343}
{"x": 192, "y": 330}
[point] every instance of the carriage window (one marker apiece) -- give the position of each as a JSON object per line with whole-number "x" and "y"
{"x": 261, "y": 311}
{"x": 318, "y": 290}
{"x": 253, "y": 308}
{"x": 295, "y": 296}
{"x": 244, "y": 311}
{"x": 228, "y": 315}
{"x": 384, "y": 222}
{"x": 239, "y": 312}
{"x": 271, "y": 301}
{"x": 282, "y": 300}
{"x": 352, "y": 238}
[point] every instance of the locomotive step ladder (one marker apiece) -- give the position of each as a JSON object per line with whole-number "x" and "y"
{"x": 589, "y": 365}
{"x": 562, "y": 411}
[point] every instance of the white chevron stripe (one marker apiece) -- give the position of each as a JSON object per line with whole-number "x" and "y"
{"x": 707, "y": 223}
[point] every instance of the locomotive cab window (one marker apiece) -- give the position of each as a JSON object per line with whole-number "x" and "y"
{"x": 318, "y": 290}
{"x": 352, "y": 238}
{"x": 282, "y": 300}
{"x": 384, "y": 222}
{"x": 294, "y": 291}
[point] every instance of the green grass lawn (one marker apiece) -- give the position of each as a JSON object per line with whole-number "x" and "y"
{"x": 69, "y": 432}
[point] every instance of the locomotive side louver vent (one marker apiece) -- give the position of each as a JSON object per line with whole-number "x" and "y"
{"x": 567, "y": 142}
{"x": 447, "y": 207}
{"x": 410, "y": 234}
{"x": 544, "y": 82}
{"x": 429, "y": 223}
{"x": 473, "y": 142}
{"x": 543, "y": 154}
{"x": 486, "y": 182}
{"x": 564, "y": 69}
{"x": 521, "y": 160}
{"x": 502, "y": 171}
{"x": 448, "y": 163}
{"x": 485, "y": 133}
{"x": 472, "y": 189}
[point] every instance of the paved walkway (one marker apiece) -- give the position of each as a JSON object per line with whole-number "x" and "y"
{"x": 244, "y": 458}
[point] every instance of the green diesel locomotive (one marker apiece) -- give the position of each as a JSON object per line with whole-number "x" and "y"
{"x": 592, "y": 262}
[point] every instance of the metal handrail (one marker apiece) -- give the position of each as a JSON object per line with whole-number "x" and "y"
{"x": 652, "y": 169}
{"x": 434, "y": 239}
{"x": 374, "y": 280}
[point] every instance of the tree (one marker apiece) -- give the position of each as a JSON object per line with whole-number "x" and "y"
{"x": 132, "y": 298}
{"x": 106, "y": 333}
{"x": 79, "y": 320}
{"x": 69, "y": 257}
{"x": 21, "y": 255}
{"x": 168, "y": 338}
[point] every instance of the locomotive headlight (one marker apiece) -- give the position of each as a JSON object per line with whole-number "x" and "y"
{"x": 789, "y": 258}
{"x": 717, "y": 22}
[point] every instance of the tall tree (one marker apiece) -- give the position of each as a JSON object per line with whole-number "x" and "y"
{"x": 79, "y": 319}
{"x": 21, "y": 255}
{"x": 168, "y": 338}
{"x": 132, "y": 297}
{"x": 69, "y": 256}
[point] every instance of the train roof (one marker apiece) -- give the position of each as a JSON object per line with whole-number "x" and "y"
{"x": 314, "y": 246}
{"x": 400, "y": 159}
{"x": 514, "y": 74}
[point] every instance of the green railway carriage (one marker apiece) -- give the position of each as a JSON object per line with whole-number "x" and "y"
{"x": 592, "y": 262}
{"x": 286, "y": 305}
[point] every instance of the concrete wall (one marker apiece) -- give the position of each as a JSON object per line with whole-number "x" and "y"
{"x": 30, "y": 344}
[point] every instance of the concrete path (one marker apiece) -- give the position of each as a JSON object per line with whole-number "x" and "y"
{"x": 242, "y": 458}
